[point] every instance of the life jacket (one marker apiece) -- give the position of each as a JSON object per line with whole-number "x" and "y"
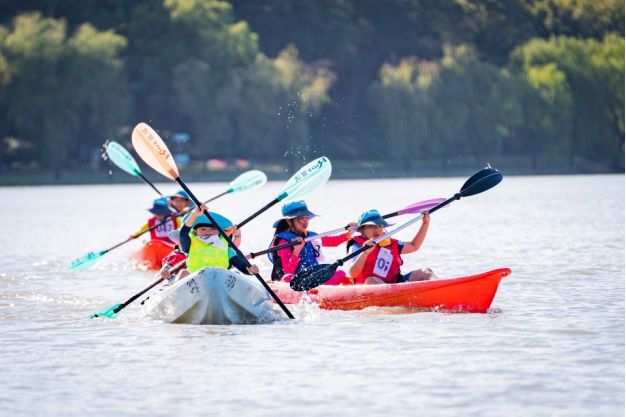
{"x": 202, "y": 255}
{"x": 173, "y": 258}
{"x": 382, "y": 262}
{"x": 163, "y": 229}
{"x": 311, "y": 253}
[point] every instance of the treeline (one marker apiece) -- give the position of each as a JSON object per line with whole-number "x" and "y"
{"x": 397, "y": 80}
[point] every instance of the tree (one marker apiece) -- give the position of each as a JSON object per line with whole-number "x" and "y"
{"x": 594, "y": 71}
{"x": 61, "y": 88}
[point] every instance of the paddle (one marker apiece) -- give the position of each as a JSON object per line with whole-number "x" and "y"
{"x": 120, "y": 157}
{"x": 308, "y": 179}
{"x": 112, "y": 311}
{"x": 149, "y": 145}
{"x": 413, "y": 208}
{"x": 249, "y": 180}
{"x": 319, "y": 274}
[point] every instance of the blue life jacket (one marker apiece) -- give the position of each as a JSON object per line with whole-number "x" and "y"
{"x": 308, "y": 255}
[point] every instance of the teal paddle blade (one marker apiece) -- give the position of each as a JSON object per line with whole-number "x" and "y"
{"x": 86, "y": 260}
{"x": 247, "y": 181}
{"x": 120, "y": 157}
{"x": 110, "y": 313}
{"x": 308, "y": 179}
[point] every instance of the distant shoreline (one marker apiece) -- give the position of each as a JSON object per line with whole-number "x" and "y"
{"x": 363, "y": 170}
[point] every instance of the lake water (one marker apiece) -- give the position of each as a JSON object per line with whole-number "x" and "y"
{"x": 552, "y": 344}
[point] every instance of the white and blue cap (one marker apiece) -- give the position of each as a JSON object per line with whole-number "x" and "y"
{"x": 295, "y": 209}
{"x": 203, "y": 220}
{"x": 372, "y": 217}
{"x": 160, "y": 207}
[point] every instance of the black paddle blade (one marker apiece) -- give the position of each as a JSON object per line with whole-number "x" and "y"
{"x": 481, "y": 181}
{"x": 313, "y": 276}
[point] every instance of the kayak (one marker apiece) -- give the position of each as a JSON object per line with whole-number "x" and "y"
{"x": 212, "y": 296}
{"x": 471, "y": 294}
{"x": 149, "y": 256}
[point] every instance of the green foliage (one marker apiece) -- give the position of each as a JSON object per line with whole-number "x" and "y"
{"x": 60, "y": 86}
{"x": 401, "y": 79}
{"x": 447, "y": 107}
{"x": 594, "y": 72}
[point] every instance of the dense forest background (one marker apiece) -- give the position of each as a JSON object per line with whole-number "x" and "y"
{"x": 536, "y": 85}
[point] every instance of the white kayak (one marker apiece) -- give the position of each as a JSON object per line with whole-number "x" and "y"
{"x": 212, "y": 296}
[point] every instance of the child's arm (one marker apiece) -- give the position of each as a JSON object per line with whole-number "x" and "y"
{"x": 416, "y": 243}
{"x": 140, "y": 231}
{"x": 197, "y": 212}
{"x": 357, "y": 266}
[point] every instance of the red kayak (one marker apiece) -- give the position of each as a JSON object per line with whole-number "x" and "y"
{"x": 149, "y": 256}
{"x": 472, "y": 294}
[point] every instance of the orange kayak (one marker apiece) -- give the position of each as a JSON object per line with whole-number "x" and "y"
{"x": 472, "y": 294}
{"x": 149, "y": 256}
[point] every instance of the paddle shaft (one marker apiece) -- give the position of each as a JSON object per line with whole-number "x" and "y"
{"x": 175, "y": 215}
{"x": 119, "y": 308}
{"x": 235, "y": 248}
{"x": 149, "y": 183}
{"x": 397, "y": 229}
{"x": 253, "y": 255}
{"x": 255, "y": 214}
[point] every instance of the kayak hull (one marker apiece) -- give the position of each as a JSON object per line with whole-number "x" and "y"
{"x": 471, "y": 294}
{"x": 150, "y": 255}
{"x": 212, "y": 296}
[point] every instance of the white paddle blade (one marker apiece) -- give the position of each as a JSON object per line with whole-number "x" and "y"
{"x": 248, "y": 181}
{"x": 120, "y": 157}
{"x": 308, "y": 179}
{"x": 151, "y": 148}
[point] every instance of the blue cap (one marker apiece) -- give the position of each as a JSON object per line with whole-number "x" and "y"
{"x": 222, "y": 221}
{"x": 180, "y": 194}
{"x": 372, "y": 217}
{"x": 160, "y": 207}
{"x": 295, "y": 209}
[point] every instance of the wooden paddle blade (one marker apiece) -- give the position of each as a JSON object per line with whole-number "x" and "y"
{"x": 313, "y": 276}
{"x": 151, "y": 148}
{"x": 481, "y": 181}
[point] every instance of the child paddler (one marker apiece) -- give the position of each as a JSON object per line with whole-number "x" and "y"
{"x": 293, "y": 226}
{"x": 201, "y": 241}
{"x": 381, "y": 263}
{"x": 180, "y": 201}
{"x": 164, "y": 220}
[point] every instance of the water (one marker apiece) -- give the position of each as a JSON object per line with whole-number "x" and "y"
{"x": 552, "y": 344}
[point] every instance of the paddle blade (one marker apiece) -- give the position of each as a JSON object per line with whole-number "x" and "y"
{"x": 312, "y": 277}
{"x": 422, "y": 205}
{"x": 151, "y": 148}
{"x": 86, "y": 260}
{"x": 308, "y": 179}
{"x": 120, "y": 157}
{"x": 110, "y": 313}
{"x": 481, "y": 181}
{"x": 247, "y": 181}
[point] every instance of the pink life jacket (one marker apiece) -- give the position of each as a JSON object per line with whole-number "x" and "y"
{"x": 161, "y": 232}
{"x": 382, "y": 262}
